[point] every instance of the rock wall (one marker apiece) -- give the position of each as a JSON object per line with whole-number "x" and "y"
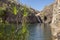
{"x": 55, "y": 25}
{"x": 11, "y": 18}
{"x": 46, "y": 14}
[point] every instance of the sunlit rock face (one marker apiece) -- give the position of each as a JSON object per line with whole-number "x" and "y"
{"x": 56, "y": 28}
{"x": 55, "y": 25}
{"x": 46, "y": 14}
{"x": 57, "y": 21}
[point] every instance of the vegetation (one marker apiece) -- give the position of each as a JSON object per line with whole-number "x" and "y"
{"x": 2, "y": 14}
{"x": 24, "y": 25}
{"x": 11, "y": 31}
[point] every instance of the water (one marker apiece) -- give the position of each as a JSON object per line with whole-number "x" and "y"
{"x": 39, "y": 32}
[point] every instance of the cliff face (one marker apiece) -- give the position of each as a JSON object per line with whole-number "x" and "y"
{"x": 11, "y": 18}
{"x": 31, "y": 18}
{"x": 46, "y": 14}
{"x": 55, "y": 25}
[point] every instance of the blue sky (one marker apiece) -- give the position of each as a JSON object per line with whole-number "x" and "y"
{"x": 37, "y": 4}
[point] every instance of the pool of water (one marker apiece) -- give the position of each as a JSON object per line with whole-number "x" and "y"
{"x": 35, "y": 31}
{"x": 39, "y": 32}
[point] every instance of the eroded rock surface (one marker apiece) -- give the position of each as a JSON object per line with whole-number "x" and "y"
{"x": 55, "y": 25}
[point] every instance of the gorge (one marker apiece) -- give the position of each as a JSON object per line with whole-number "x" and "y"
{"x": 49, "y": 17}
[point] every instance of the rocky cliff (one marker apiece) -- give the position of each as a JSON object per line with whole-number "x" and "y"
{"x": 46, "y": 14}
{"x": 11, "y": 18}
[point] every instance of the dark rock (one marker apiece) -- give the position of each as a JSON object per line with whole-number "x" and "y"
{"x": 11, "y": 18}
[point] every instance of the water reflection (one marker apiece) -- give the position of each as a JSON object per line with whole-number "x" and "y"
{"x": 47, "y": 32}
{"x": 37, "y": 32}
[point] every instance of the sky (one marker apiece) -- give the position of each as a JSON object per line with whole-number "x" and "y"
{"x": 37, "y": 4}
